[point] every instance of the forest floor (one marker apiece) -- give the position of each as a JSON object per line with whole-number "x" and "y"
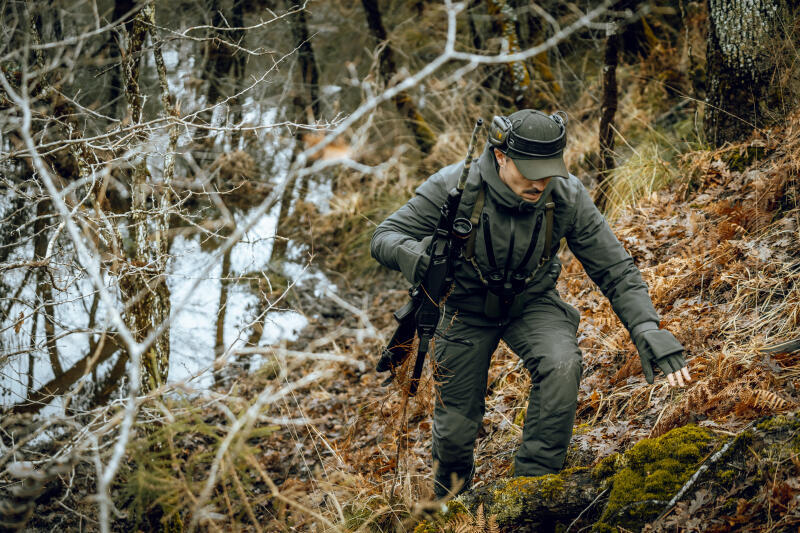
{"x": 719, "y": 252}
{"x": 720, "y": 255}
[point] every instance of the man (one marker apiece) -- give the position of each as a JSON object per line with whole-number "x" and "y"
{"x": 521, "y": 201}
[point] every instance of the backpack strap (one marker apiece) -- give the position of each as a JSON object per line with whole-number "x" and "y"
{"x": 477, "y": 207}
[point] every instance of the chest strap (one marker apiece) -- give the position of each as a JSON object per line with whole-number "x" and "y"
{"x": 477, "y": 207}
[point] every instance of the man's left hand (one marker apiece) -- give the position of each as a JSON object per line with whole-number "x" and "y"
{"x": 658, "y": 348}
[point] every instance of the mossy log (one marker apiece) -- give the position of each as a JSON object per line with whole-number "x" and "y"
{"x": 688, "y": 473}
{"x": 537, "y": 503}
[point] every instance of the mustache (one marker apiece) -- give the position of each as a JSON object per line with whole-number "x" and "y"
{"x": 533, "y": 191}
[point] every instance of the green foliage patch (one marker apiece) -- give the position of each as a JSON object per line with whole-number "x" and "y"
{"x": 652, "y": 471}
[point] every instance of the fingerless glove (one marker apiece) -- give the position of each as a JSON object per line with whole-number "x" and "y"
{"x": 658, "y": 348}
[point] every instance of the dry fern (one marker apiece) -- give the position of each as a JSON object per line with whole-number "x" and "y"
{"x": 765, "y": 399}
{"x": 480, "y": 519}
{"x": 462, "y": 523}
{"x": 480, "y": 523}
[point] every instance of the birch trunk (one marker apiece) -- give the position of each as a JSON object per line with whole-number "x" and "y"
{"x": 739, "y": 67}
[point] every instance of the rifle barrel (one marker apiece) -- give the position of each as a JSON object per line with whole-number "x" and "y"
{"x": 462, "y": 180}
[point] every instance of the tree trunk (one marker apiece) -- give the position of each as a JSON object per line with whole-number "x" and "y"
{"x": 517, "y": 82}
{"x": 133, "y": 58}
{"x": 739, "y": 67}
{"x": 44, "y": 288}
{"x": 307, "y": 108}
{"x": 142, "y": 281}
{"x": 225, "y": 282}
{"x": 308, "y": 98}
{"x": 423, "y": 134}
{"x": 143, "y": 284}
{"x": 117, "y": 81}
{"x": 609, "y": 109}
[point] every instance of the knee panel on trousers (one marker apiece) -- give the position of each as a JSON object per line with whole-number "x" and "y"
{"x": 453, "y": 438}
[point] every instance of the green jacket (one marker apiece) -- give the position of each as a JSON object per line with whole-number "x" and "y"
{"x": 400, "y": 241}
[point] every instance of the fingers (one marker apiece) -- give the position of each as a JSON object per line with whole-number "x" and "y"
{"x": 680, "y": 377}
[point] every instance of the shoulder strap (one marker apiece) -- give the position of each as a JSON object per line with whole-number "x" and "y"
{"x": 477, "y": 207}
{"x": 549, "y": 207}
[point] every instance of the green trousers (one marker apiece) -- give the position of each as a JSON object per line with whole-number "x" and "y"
{"x": 544, "y": 337}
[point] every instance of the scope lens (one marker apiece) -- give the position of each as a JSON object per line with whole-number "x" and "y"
{"x": 462, "y": 227}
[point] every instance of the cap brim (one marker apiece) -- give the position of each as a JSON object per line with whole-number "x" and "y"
{"x": 539, "y": 169}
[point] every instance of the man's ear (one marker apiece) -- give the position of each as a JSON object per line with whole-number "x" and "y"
{"x": 500, "y": 157}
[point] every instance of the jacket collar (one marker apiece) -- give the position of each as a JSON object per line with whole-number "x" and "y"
{"x": 501, "y": 193}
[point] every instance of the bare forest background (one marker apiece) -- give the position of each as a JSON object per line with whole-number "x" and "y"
{"x": 190, "y": 318}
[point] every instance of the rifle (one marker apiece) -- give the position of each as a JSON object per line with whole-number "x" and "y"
{"x": 422, "y": 312}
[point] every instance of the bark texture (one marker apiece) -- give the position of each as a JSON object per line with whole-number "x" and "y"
{"x": 142, "y": 281}
{"x": 133, "y": 57}
{"x": 143, "y": 284}
{"x": 739, "y": 67}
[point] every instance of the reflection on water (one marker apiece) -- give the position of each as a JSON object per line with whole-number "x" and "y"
{"x": 195, "y": 296}
{"x": 194, "y": 271}
{"x": 192, "y": 337}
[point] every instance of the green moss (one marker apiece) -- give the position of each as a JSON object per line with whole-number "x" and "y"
{"x": 425, "y": 527}
{"x": 440, "y": 520}
{"x": 519, "y": 419}
{"x": 608, "y": 466}
{"x": 779, "y": 422}
{"x": 654, "y": 469}
{"x": 509, "y": 497}
{"x": 355, "y": 516}
{"x": 454, "y": 507}
{"x": 726, "y": 476}
{"x": 572, "y": 470}
{"x": 602, "y": 527}
{"x": 551, "y": 485}
{"x": 739, "y": 160}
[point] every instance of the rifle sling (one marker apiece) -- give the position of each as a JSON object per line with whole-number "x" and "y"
{"x": 469, "y": 248}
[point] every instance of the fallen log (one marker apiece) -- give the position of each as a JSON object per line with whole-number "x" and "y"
{"x": 690, "y": 475}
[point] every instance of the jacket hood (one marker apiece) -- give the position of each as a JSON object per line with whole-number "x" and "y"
{"x": 501, "y": 193}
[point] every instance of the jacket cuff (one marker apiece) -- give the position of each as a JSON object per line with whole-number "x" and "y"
{"x": 414, "y": 260}
{"x": 644, "y": 326}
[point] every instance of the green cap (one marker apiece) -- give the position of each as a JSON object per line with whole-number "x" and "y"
{"x": 536, "y": 144}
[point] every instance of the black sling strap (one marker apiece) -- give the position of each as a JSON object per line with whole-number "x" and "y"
{"x": 532, "y": 245}
{"x": 549, "y": 207}
{"x": 487, "y": 241}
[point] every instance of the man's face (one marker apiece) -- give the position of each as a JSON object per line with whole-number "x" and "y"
{"x": 528, "y": 190}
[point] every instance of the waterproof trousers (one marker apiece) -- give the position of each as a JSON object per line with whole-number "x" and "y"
{"x": 544, "y": 337}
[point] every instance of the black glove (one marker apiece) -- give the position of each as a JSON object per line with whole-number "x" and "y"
{"x": 658, "y": 348}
